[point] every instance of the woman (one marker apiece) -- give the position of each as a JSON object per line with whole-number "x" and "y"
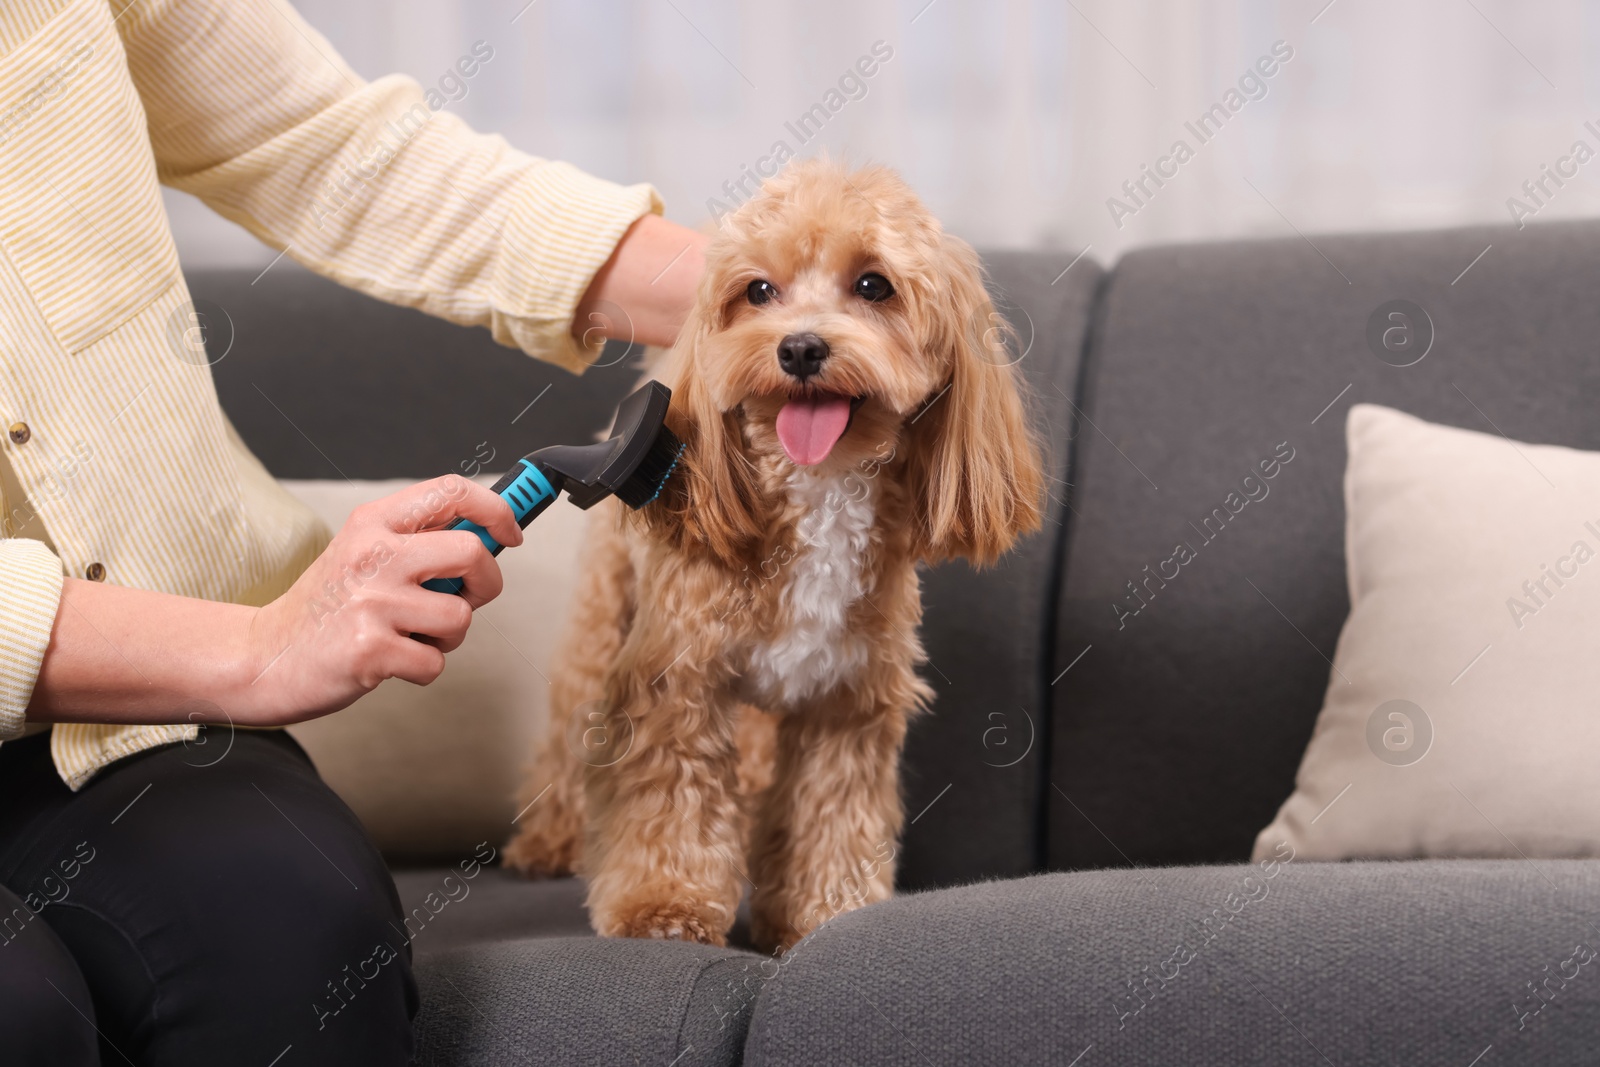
{"x": 158, "y": 905}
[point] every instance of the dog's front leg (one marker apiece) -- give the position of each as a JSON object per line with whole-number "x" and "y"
{"x": 663, "y": 854}
{"x": 828, "y": 831}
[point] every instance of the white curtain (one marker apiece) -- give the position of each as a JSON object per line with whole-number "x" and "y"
{"x": 1017, "y": 120}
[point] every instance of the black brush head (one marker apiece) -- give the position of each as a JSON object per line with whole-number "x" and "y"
{"x": 650, "y": 476}
{"x": 634, "y": 463}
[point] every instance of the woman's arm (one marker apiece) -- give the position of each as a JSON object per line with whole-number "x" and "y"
{"x": 132, "y": 656}
{"x": 644, "y": 291}
{"x": 120, "y": 655}
{"x": 377, "y": 185}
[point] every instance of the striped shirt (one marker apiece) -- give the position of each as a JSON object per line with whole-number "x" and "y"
{"x": 111, "y": 436}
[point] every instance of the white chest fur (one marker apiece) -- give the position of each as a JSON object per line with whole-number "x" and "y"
{"x": 812, "y": 650}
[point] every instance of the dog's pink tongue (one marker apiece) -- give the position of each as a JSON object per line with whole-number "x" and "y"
{"x": 809, "y": 427}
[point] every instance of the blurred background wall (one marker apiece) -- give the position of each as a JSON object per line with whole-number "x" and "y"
{"x": 1017, "y": 120}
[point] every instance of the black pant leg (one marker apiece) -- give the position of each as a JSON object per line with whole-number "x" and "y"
{"x": 46, "y": 1013}
{"x": 218, "y": 907}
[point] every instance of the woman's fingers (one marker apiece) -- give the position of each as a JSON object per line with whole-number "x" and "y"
{"x": 366, "y": 596}
{"x": 423, "y": 511}
{"x": 435, "y": 504}
{"x": 436, "y": 618}
{"x": 453, "y": 554}
{"x": 417, "y": 662}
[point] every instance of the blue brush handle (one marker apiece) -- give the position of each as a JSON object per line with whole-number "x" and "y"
{"x": 528, "y": 490}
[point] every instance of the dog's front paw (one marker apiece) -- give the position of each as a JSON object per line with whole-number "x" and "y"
{"x": 674, "y": 920}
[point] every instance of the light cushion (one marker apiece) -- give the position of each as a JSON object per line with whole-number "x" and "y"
{"x": 433, "y": 770}
{"x": 1462, "y": 713}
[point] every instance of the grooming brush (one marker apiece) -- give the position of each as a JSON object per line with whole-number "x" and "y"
{"x": 632, "y": 465}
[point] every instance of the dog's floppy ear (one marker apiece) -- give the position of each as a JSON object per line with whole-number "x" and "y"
{"x": 973, "y": 467}
{"x": 710, "y": 498}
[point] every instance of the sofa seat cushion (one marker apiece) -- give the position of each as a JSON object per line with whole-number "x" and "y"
{"x": 1298, "y": 963}
{"x": 579, "y": 1001}
{"x": 446, "y": 910}
{"x": 510, "y": 973}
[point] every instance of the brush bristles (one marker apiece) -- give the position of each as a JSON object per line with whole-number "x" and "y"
{"x": 648, "y": 478}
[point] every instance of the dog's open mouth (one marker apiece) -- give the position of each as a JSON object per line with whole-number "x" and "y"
{"x": 809, "y": 426}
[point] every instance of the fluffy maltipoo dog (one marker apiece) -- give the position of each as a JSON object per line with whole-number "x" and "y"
{"x": 850, "y": 410}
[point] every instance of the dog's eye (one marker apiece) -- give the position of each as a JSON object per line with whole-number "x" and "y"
{"x": 874, "y": 287}
{"x": 760, "y": 291}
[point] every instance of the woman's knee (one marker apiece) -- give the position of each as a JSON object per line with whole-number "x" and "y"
{"x": 259, "y": 907}
{"x": 46, "y": 1015}
{"x": 299, "y": 873}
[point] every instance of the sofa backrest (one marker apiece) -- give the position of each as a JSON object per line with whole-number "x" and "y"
{"x": 1188, "y": 697}
{"x": 975, "y": 769}
{"x": 1079, "y": 723}
{"x": 324, "y": 382}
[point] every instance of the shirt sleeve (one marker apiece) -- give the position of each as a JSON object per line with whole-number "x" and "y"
{"x": 30, "y": 594}
{"x": 376, "y": 185}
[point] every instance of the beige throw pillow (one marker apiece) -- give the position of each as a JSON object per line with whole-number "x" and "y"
{"x": 1462, "y": 716}
{"x": 433, "y": 770}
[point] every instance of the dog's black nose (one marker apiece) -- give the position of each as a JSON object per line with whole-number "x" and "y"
{"x": 801, "y": 354}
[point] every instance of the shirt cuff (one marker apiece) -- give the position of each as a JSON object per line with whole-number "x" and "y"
{"x": 30, "y": 595}
{"x": 562, "y": 226}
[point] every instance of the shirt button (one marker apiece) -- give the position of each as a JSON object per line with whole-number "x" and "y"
{"x": 95, "y": 572}
{"x": 20, "y": 433}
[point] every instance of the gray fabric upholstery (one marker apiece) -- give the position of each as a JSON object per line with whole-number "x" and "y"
{"x": 482, "y": 945}
{"x": 1176, "y": 738}
{"x": 1348, "y": 964}
{"x": 986, "y": 632}
{"x": 324, "y": 382}
{"x": 446, "y": 911}
{"x": 582, "y": 1001}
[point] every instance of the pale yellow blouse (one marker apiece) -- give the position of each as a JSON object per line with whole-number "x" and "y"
{"x": 109, "y": 425}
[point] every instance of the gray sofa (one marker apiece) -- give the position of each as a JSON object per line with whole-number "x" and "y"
{"x": 1083, "y": 802}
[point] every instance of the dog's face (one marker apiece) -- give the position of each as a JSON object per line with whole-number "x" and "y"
{"x": 838, "y": 326}
{"x": 824, "y": 303}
